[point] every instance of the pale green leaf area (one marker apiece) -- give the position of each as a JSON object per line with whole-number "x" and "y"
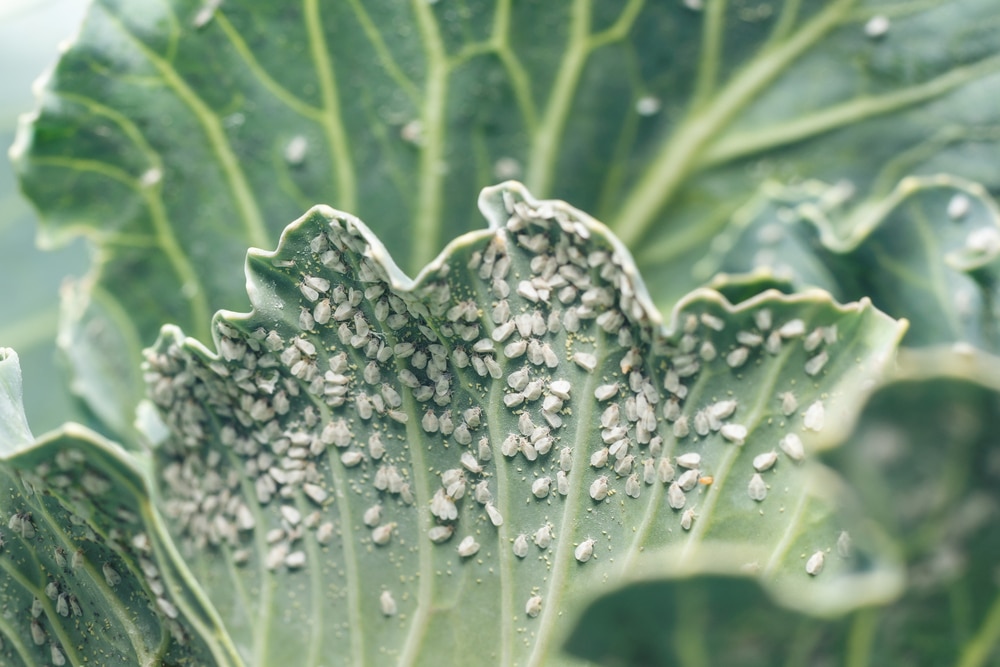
{"x": 30, "y": 278}
{"x": 371, "y": 469}
{"x": 88, "y": 574}
{"x": 176, "y": 134}
{"x": 927, "y": 252}
{"x": 29, "y": 298}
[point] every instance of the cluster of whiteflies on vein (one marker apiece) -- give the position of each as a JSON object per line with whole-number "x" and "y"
{"x": 289, "y": 405}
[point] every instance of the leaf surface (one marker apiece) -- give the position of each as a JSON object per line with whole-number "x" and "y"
{"x": 89, "y": 574}
{"x": 930, "y": 479}
{"x": 436, "y": 470}
{"x": 177, "y": 134}
{"x": 939, "y": 466}
{"x": 927, "y": 252}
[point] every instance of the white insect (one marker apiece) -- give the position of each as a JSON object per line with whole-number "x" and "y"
{"x": 844, "y": 545}
{"x": 687, "y": 518}
{"x": 443, "y": 507}
{"x": 485, "y": 452}
{"x": 665, "y": 471}
{"x": 877, "y": 26}
{"x": 814, "y": 417}
{"x": 689, "y": 460}
{"x": 324, "y": 534}
{"x": 533, "y": 607}
{"x": 789, "y": 404}
{"x": 482, "y": 492}
{"x": 722, "y": 409}
{"x": 439, "y": 534}
{"x": 585, "y": 360}
{"x": 111, "y": 575}
{"x": 295, "y": 560}
{"x": 737, "y": 357}
{"x": 765, "y": 461}
{"x": 734, "y": 433}
{"x": 470, "y": 463}
{"x": 757, "y": 488}
{"x": 713, "y": 322}
{"x": 560, "y": 388}
{"x": 688, "y": 479}
{"x": 37, "y": 633}
{"x": 792, "y": 328}
{"x": 599, "y": 459}
{"x": 562, "y": 483}
{"x": 647, "y": 105}
{"x": 763, "y": 319}
{"x": 585, "y": 550}
{"x": 540, "y": 487}
{"x": 792, "y": 446}
{"x": 352, "y": 458}
{"x": 521, "y": 545}
{"x": 381, "y": 535}
{"x": 813, "y": 340}
{"x": 543, "y": 537}
{"x": 510, "y": 446}
{"x": 565, "y": 459}
{"x": 62, "y": 605}
{"x": 387, "y": 604}
{"x": 632, "y": 486}
{"x": 958, "y": 207}
{"x": 815, "y": 563}
{"x": 675, "y": 496}
{"x": 291, "y": 515}
{"x": 816, "y": 363}
{"x": 599, "y": 488}
{"x": 468, "y": 547}
{"x": 606, "y": 392}
{"x": 315, "y": 492}
{"x": 495, "y": 517}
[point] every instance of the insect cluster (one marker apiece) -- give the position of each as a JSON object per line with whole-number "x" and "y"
{"x": 525, "y": 371}
{"x": 83, "y": 576}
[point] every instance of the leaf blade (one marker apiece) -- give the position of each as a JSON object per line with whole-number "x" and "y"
{"x": 89, "y": 573}
{"x": 433, "y": 411}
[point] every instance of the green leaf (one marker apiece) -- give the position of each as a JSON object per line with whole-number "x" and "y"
{"x": 177, "y": 134}
{"x": 30, "y": 298}
{"x": 89, "y": 573}
{"x": 931, "y": 480}
{"x": 928, "y": 252}
{"x": 14, "y": 431}
{"x": 437, "y": 470}
{"x": 31, "y": 277}
{"x": 924, "y": 465}
{"x": 708, "y": 620}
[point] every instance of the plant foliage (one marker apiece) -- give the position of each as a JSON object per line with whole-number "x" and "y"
{"x": 485, "y": 462}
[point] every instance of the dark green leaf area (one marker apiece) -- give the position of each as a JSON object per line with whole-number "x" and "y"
{"x": 86, "y": 579}
{"x": 510, "y": 433}
{"x": 925, "y": 462}
{"x": 722, "y": 621}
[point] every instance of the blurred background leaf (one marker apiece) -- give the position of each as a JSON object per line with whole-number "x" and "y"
{"x": 30, "y": 277}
